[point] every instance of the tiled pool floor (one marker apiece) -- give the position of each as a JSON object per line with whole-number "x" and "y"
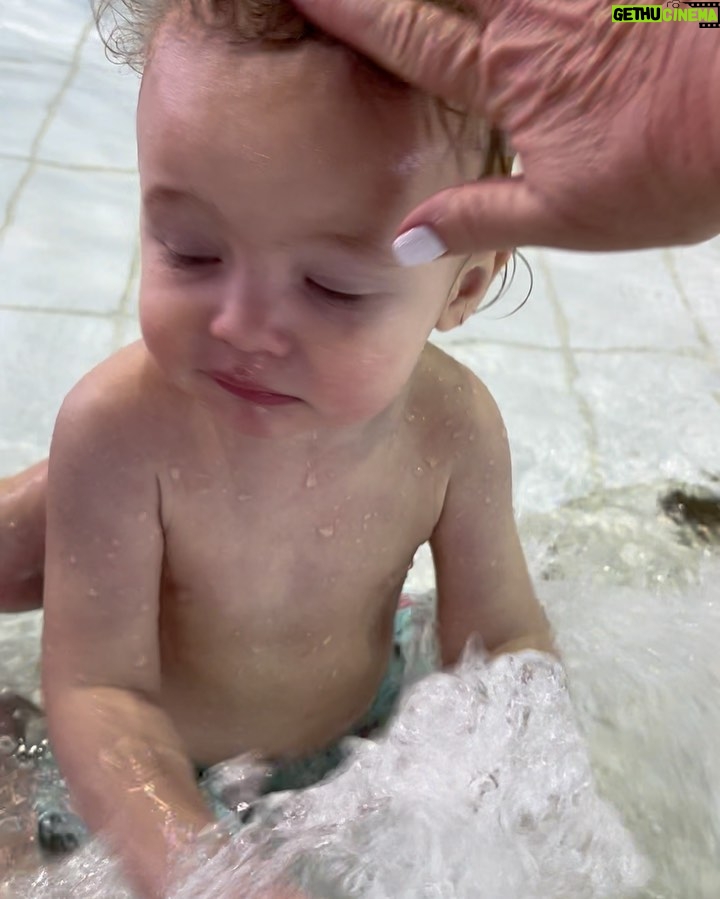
{"x": 609, "y": 376}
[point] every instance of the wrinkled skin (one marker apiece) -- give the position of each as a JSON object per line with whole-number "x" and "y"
{"x": 613, "y": 121}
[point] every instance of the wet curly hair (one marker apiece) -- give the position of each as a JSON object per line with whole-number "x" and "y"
{"x": 127, "y": 28}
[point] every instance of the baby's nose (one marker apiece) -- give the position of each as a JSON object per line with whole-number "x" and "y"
{"x": 252, "y": 324}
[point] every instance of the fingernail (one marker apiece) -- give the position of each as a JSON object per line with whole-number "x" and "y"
{"x": 418, "y": 245}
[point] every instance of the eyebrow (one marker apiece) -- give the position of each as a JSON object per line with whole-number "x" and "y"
{"x": 160, "y": 195}
{"x": 371, "y": 250}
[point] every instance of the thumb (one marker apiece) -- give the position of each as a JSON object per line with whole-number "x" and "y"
{"x": 492, "y": 214}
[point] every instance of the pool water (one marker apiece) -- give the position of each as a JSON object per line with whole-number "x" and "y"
{"x": 609, "y": 382}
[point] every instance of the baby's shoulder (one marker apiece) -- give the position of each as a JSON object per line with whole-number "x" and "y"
{"x": 463, "y": 429}
{"x": 117, "y": 402}
{"x": 453, "y": 400}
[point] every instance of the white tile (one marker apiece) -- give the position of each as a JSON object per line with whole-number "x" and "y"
{"x": 71, "y": 244}
{"x": 41, "y": 30}
{"x": 26, "y": 93}
{"x": 95, "y": 122}
{"x": 42, "y": 355}
{"x": 620, "y": 300}
{"x": 132, "y": 307}
{"x": 533, "y": 324}
{"x": 11, "y": 171}
{"x": 698, "y": 269}
{"x": 548, "y": 437}
{"x": 656, "y": 416}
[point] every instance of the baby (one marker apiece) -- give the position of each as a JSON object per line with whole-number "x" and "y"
{"x": 233, "y": 503}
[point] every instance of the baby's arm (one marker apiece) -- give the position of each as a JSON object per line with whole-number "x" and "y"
{"x": 483, "y": 582}
{"x": 22, "y": 539}
{"x": 125, "y": 764}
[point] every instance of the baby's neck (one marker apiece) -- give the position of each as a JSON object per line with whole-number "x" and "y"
{"x": 321, "y": 447}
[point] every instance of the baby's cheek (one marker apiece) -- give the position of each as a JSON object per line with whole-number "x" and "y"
{"x": 364, "y": 385}
{"x": 163, "y": 326}
{"x": 153, "y": 326}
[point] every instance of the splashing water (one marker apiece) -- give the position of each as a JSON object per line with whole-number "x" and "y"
{"x": 482, "y": 786}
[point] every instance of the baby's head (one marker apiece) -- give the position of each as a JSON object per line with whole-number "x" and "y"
{"x": 275, "y": 166}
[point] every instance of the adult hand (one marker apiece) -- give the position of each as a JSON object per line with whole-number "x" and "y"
{"x": 616, "y": 124}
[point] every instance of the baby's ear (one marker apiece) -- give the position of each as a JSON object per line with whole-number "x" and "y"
{"x": 469, "y": 289}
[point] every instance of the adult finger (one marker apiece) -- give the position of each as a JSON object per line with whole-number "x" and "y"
{"x": 435, "y": 49}
{"x": 498, "y": 213}
{"x": 485, "y": 215}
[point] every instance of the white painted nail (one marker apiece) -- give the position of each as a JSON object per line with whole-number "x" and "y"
{"x": 418, "y": 245}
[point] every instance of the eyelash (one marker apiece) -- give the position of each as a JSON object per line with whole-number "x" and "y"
{"x": 334, "y": 296}
{"x": 183, "y": 262}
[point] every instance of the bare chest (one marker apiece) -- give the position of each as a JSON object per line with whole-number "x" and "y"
{"x": 282, "y": 595}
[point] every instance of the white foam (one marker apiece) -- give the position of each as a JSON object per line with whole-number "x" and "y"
{"x": 483, "y": 787}
{"x": 480, "y": 788}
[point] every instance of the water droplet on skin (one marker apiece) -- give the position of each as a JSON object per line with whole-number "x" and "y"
{"x": 175, "y": 474}
{"x": 432, "y": 461}
{"x": 141, "y": 662}
{"x": 311, "y": 479}
{"x": 327, "y": 640}
{"x": 142, "y": 516}
{"x": 327, "y": 531}
{"x": 418, "y": 471}
{"x": 93, "y": 592}
{"x": 410, "y": 417}
{"x": 12, "y": 525}
{"x": 456, "y": 434}
{"x": 459, "y": 388}
{"x": 243, "y": 497}
{"x": 73, "y": 560}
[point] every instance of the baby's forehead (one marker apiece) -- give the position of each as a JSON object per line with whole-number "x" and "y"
{"x": 213, "y": 109}
{"x": 207, "y": 70}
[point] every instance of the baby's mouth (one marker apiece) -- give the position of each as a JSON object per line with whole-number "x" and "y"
{"x": 251, "y": 391}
